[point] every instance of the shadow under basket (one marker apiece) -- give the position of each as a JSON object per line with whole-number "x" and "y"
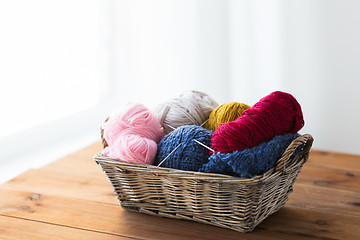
{"x": 225, "y": 201}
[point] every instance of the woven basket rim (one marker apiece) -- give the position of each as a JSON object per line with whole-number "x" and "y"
{"x": 278, "y": 169}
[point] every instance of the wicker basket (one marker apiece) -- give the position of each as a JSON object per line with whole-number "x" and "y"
{"x": 220, "y": 200}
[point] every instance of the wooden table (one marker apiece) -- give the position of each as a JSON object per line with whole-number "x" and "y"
{"x": 72, "y": 199}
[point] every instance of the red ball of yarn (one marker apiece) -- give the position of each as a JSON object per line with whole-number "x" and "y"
{"x": 275, "y": 114}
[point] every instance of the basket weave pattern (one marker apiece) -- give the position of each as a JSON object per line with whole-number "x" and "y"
{"x": 220, "y": 200}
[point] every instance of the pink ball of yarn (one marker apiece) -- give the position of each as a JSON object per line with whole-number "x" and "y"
{"x": 132, "y": 134}
{"x": 133, "y": 149}
{"x": 136, "y": 118}
{"x": 275, "y": 114}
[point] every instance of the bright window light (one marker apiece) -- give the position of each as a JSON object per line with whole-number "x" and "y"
{"x": 48, "y": 61}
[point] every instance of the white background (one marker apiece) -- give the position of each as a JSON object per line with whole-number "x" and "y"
{"x": 64, "y": 65}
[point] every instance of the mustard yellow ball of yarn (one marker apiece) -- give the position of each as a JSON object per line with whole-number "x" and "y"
{"x": 227, "y": 112}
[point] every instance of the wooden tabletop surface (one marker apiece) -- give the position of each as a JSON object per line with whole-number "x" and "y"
{"x": 72, "y": 199}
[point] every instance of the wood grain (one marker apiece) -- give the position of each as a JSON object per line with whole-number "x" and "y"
{"x": 16, "y": 228}
{"x": 84, "y": 186}
{"x": 113, "y": 219}
{"x": 330, "y": 178}
{"x": 105, "y": 218}
{"x": 326, "y": 159}
{"x": 72, "y": 199}
{"x": 313, "y": 224}
{"x": 325, "y": 199}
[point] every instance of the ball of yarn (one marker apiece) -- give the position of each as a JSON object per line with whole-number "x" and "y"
{"x": 190, "y": 155}
{"x": 132, "y": 148}
{"x": 134, "y": 117}
{"x": 252, "y": 161}
{"x": 131, "y": 134}
{"x": 224, "y": 113}
{"x": 190, "y": 108}
{"x": 276, "y": 114}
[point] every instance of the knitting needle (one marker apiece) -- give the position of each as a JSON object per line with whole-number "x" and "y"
{"x": 204, "y": 145}
{"x": 204, "y": 123}
{"x": 170, "y": 126}
{"x": 169, "y": 155}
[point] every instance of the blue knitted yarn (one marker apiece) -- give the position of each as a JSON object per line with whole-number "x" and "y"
{"x": 190, "y": 155}
{"x": 249, "y": 162}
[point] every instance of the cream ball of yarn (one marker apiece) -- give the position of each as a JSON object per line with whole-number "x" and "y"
{"x": 189, "y": 108}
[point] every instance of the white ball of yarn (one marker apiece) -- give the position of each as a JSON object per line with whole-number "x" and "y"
{"x": 189, "y": 108}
